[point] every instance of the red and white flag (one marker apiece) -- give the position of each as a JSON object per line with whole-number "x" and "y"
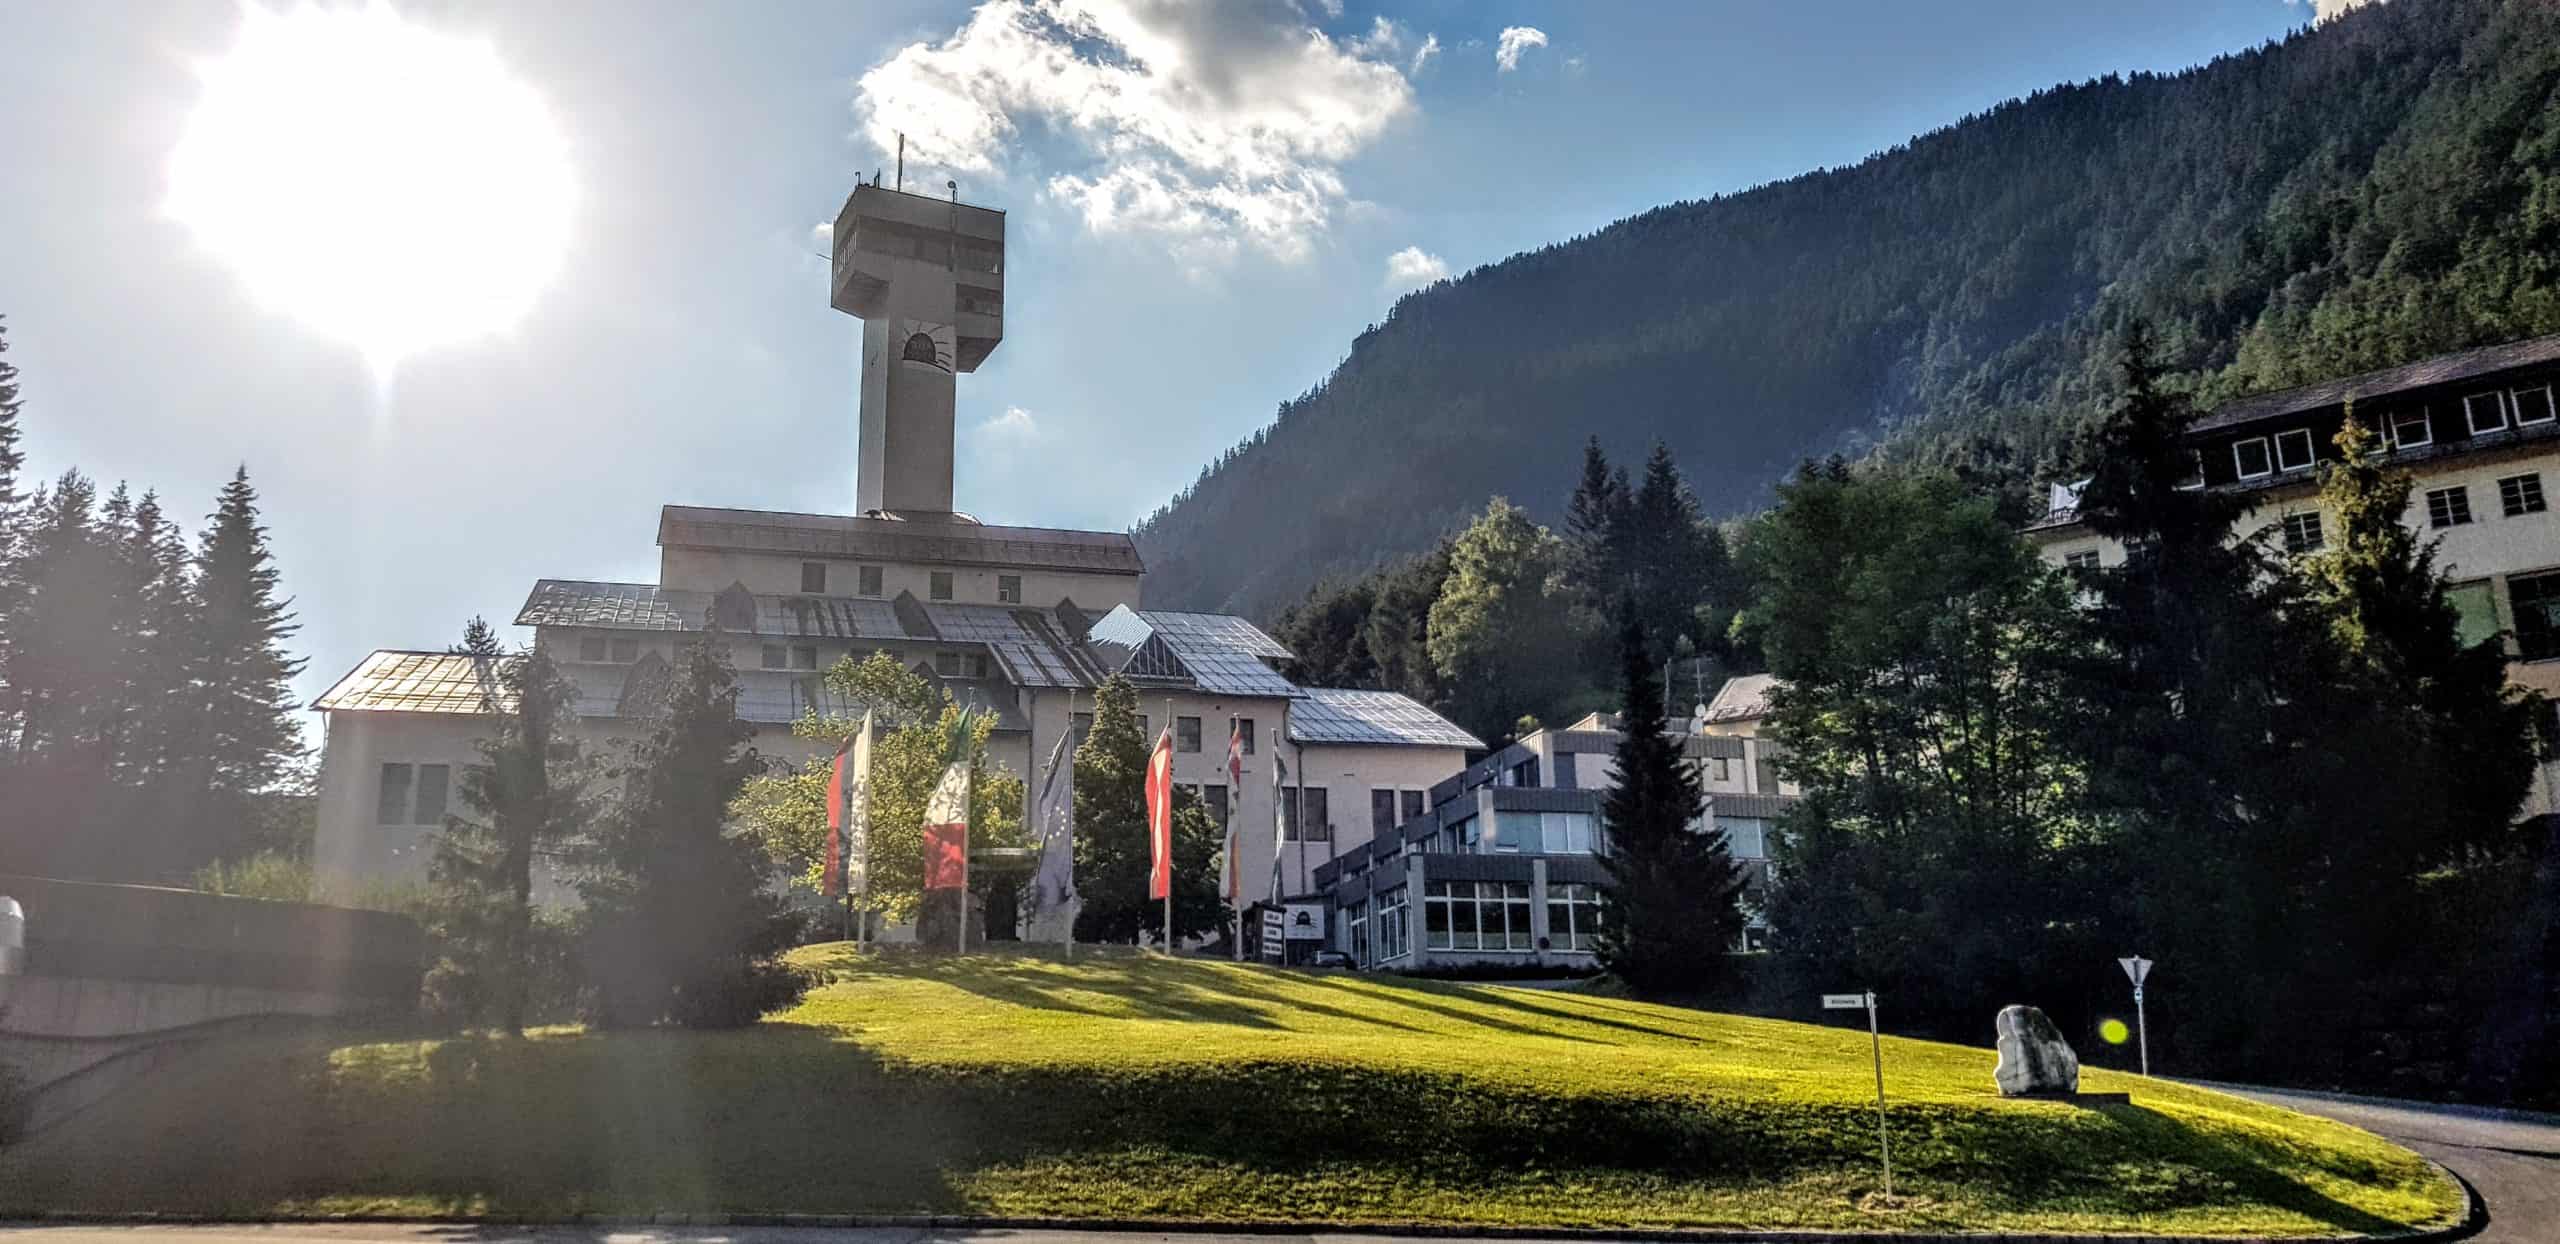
{"x": 1231, "y": 878}
{"x": 1160, "y": 817}
{"x": 831, "y": 877}
{"x": 946, "y": 830}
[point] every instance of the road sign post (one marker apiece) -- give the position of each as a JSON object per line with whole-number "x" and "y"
{"x": 2137, "y": 969}
{"x": 1875, "y": 1042}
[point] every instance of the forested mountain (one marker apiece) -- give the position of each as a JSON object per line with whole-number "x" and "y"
{"x": 2382, "y": 187}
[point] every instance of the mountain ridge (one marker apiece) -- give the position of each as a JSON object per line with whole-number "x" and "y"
{"x": 2382, "y": 186}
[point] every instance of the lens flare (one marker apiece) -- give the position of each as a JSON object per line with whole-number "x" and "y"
{"x": 2114, "y": 1032}
{"x": 384, "y": 184}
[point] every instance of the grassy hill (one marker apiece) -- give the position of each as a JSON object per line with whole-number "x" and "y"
{"x": 1141, "y": 1088}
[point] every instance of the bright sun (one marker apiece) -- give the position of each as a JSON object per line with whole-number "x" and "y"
{"x": 386, "y": 185}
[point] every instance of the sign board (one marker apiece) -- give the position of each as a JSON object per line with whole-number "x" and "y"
{"x": 1274, "y": 926}
{"x": 1844, "y": 1002}
{"x": 2135, "y": 969}
{"x": 1305, "y": 922}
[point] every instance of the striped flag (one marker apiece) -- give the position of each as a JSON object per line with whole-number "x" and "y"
{"x": 831, "y": 874}
{"x": 1160, "y": 817}
{"x": 1053, "y": 816}
{"x": 1279, "y": 815}
{"x": 1231, "y": 878}
{"x": 946, "y": 830}
{"x": 849, "y": 815}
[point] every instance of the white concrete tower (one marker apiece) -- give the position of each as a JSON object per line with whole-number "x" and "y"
{"x": 926, "y": 277}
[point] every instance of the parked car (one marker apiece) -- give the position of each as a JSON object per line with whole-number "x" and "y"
{"x": 1330, "y": 959}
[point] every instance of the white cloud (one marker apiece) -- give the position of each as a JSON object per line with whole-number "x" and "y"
{"x": 1015, "y": 423}
{"x": 1384, "y": 40}
{"x": 1422, "y": 55}
{"x": 1516, "y": 40}
{"x": 1209, "y": 123}
{"x": 2323, "y": 10}
{"x": 1414, "y": 267}
{"x": 824, "y": 234}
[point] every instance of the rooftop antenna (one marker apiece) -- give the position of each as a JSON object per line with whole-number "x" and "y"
{"x": 902, "y": 159}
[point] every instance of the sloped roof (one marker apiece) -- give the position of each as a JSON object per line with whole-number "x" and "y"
{"x": 950, "y": 538}
{"x": 1742, "y": 698}
{"x": 2441, "y": 369}
{"x": 391, "y": 681}
{"x": 1334, "y": 715}
{"x": 1219, "y": 653}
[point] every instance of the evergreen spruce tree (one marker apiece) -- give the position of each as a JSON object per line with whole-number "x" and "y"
{"x": 13, "y": 460}
{"x": 678, "y": 925}
{"x": 241, "y": 737}
{"x": 155, "y": 565}
{"x": 526, "y": 798}
{"x": 1670, "y": 910}
{"x": 479, "y": 639}
{"x": 1596, "y": 531}
{"x": 1112, "y": 852}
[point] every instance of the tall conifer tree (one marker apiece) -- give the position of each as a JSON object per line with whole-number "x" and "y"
{"x": 242, "y": 735}
{"x": 1670, "y": 909}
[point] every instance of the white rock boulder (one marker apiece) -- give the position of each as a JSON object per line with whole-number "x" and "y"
{"x": 2034, "y": 1059}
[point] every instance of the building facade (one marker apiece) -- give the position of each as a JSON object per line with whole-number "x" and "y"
{"x": 1499, "y": 866}
{"x": 2478, "y": 433}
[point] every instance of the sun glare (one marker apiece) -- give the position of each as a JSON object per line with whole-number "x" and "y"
{"x": 384, "y": 184}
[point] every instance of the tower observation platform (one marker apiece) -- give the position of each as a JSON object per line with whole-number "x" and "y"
{"x": 926, "y": 278}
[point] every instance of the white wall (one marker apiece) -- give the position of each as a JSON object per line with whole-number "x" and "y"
{"x": 776, "y": 574}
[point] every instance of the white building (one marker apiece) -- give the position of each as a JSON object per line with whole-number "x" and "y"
{"x": 1024, "y": 622}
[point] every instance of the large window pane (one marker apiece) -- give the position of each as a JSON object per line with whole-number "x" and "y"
{"x": 391, "y": 799}
{"x": 2536, "y": 601}
{"x": 2475, "y": 606}
{"x": 432, "y": 781}
{"x": 1463, "y": 933}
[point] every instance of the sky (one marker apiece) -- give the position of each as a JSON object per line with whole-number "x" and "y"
{"x": 1205, "y": 205}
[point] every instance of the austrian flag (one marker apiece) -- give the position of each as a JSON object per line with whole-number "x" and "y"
{"x": 1160, "y": 817}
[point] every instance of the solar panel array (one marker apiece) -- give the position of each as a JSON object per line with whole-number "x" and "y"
{"x": 1326, "y": 715}
{"x": 417, "y": 682}
{"x": 1219, "y": 631}
{"x": 919, "y": 538}
{"x": 622, "y": 606}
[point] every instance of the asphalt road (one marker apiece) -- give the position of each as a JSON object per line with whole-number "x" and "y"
{"x": 2512, "y": 1160}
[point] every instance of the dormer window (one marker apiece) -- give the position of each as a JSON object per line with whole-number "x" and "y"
{"x": 2486, "y": 412}
{"x": 2249, "y": 457}
{"x": 2532, "y": 405}
{"x": 2410, "y": 429}
{"x": 2293, "y": 449}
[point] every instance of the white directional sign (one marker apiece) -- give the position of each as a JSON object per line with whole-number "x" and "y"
{"x": 1844, "y": 1001}
{"x": 2135, "y": 969}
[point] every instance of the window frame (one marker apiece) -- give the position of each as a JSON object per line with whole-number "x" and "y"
{"x": 1008, "y": 589}
{"x": 591, "y": 648}
{"x": 2082, "y": 560}
{"x": 946, "y": 664}
{"x": 2550, "y": 410}
{"x": 2266, "y": 458}
{"x": 2536, "y": 630}
{"x": 2487, "y": 590}
{"x": 1411, "y": 805}
{"x": 2448, "y": 507}
{"x": 869, "y": 581}
{"x": 622, "y": 645}
{"x": 2519, "y": 495}
{"x": 804, "y": 656}
{"x": 813, "y": 572}
{"x": 774, "y": 657}
{"x": 2310, "y": 452}
{"x": 2426, "y": 428}
{"x": 1244, "y": 726}
{"x": 941, "y": 585}
{"x": 2470, "y": 415}
{"x": 388, "y": 810}
{"x": 2297, "y": 541}
{"x": 1186, "y": 735}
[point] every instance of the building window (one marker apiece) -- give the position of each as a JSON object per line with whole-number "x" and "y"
{"x": 2410, "y": 429}
{"x": 1319, "y": 816}
{"x": 591, "y": 647}
{"x": 2521, "y": 494}
{"x": 1724, "y": 768}
{"x": 919, "y": 349}
{"x": 2532, "y": 405}
{"x": 1355, "y": 932}
{"x": 2302, "y": 532}
{"x": 1524, "y": 773}
{"x": 775, "y": 657}
{"x": 981, "y": 665}
{"x": 2448, "y": 507}
{"x": 2195, "y": 470}
{"x": 813, "y": 578}
{"x": 1382, "y": 810}
{"x": 412, "y": 794}
{"x": 1009, "y": 589}
{"x": 2486, "y": 412}
{"x": 1564, "y": 833}
{"x": 947, "y": 664}
{"x": 1476, "y": 915}
{"x": 2084, "y": 560}
{"x": 626, "y": 651}
{"x": 2535, "y": 600}
{"x": 1391, "y": 929}
{"x": 1214, "y": 797}
{"x": 867, "y": 580}
{"x": 940, "y": 588}
{"x": 1573, "y": 916}
{"x": 1186, "y": 734}
{"x": 804, "y": 656}
{"x": 1747, "y": 839}
{"x": 1244, "y": 726}
{"x": 1081, "y": 724}
{"x": 2293, "y": 449}
{"x": 2475, "y": 609}
{"x": 2249, "y": 457}
{"x": 1412, "y": 804}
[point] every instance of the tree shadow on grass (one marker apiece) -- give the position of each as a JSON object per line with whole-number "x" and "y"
{"x": 1152, "y": 989}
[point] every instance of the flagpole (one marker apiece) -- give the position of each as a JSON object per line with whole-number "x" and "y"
{"x": 1168, "y": 832}
{"x": 1235, "y": 867}
{"x": 968, "y": 800}
{"x": 1067, "y": 922}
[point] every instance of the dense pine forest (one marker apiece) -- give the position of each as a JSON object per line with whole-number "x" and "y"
{"x": 2382, "y": 187}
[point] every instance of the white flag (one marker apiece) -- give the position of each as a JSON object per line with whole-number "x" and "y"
{"x": 857, "y": 815}
{"x": 1053, "y": 819}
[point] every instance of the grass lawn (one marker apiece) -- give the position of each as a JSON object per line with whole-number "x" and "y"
{"x": 1128, "y": 1087}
